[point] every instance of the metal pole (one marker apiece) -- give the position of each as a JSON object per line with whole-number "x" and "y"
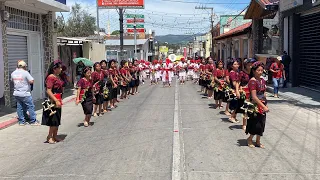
{"x": 121, "y": 33}
{"x": 135, "y": 38}
{"x": 212, "y": 35}
{"x": 98, "y": 28}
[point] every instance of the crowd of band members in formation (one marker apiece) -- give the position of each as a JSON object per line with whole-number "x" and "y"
{"x": 243, "y": 89}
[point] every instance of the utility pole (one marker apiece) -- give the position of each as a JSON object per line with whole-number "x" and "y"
{"x": 121, "y": 33}
{"x": 135, "y": 38}
{"x": 98, "y": 27}
{"x": 212, "y": 34}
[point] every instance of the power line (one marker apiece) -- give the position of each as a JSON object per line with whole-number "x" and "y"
{"x": 192, "y": 2}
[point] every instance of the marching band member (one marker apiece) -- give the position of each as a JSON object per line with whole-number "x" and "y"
{"x": 167, "y": 73}
{"x": 54, "y": 87}
{"x": 220, "y": 75}
{"x": 191, "y": 67}
{"x": 244, "y": 93}
{"x": 107, "y": 85}
{"x": 153, "y": 71}
{"x": 158, "y": 68}
{"x": 143, "y": 67}
{"x": 257, "y": 120}
{"x": 114, "y": 80}
{"x": 234, "y": 89}
{"x": 85, "y": 95}
{"x": 182, "y": 65}
{"x": 210, "y": 68}
{"x": 97, "y": 79}
{"x": 196, "y": 74}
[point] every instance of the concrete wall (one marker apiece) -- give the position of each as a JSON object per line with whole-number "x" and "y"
{"x": 94, "y": 51}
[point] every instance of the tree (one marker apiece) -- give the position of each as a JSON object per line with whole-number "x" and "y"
{"x": 79, "y": 24}
{"x": 116, "y": 32}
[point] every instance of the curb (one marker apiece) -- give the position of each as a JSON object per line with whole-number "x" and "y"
{"x": 293, "y": 100}
{"x": 13, "y": 121}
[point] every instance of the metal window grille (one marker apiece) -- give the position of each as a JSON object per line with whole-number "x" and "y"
{"x": 24, "y": 20}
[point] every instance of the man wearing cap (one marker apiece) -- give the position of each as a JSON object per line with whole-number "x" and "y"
{"x": 22, "y": 81}
{"x": 278, "y": 71}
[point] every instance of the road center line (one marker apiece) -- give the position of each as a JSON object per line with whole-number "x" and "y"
{"x": 176, "y": 160}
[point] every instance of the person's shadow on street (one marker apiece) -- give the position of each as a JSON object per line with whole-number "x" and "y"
{"x": 61, "y": 137}
{"x": 82, "y": 125}
{"x": 242, "y": 142}
{"x": 238, "y": 126}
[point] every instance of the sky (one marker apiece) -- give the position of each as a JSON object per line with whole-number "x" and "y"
{"x": 167, "y": 16}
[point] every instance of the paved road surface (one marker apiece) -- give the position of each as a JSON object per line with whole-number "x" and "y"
{"x": 164, "y": 133}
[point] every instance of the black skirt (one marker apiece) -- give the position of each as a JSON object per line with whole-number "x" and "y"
{"x": 219, "y": 95}
{"x": 209, "y": 85}
{"x": 118, "y": 91}
{"x": 239, "y": 105}
{"x": 132, "y": 83}
{"x": 54, "y": 120}
{"x": 87, "y": 105}
{"x": 114, "y": 93}
{"x": 233, "y": 104}
{"x": 137, "y": 82}
{"x": 256, "y": 124}
{"x": 200, "y": 82}
{"x": 124, "y": 88}
{"x": 99, "y": 99}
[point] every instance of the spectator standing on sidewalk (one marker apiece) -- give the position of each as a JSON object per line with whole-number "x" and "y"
{"x": 286, "y": 60}
{"x": 22, "y": 81}
{"x": 278, "y": 71}
{"x": 79, "y": 70}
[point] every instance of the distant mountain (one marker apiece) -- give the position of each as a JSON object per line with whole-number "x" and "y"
{"x": 176, "y": 39}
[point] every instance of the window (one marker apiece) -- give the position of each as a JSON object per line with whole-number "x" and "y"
{"x": 24, "y": 20}
{"x": 270, "y": 36}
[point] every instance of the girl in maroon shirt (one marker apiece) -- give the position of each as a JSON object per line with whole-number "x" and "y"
{"x": 114, "y": 81}
{"x": 107, "y": 84}
{"x": 97, "y": 79}
{"x": 137, "y": 74}
{"x": 202, "y": 69}
{"x": 220, "y": 77}
{"x": 85, "y": 95}
{"x": 54, "y": 89}
{"x": 234, "y": 85}
{"x": 256, "y": 121}
{"x": 210, "y": 71}
{"x": 125, "y": 76}
{"x": 243, "y": 93}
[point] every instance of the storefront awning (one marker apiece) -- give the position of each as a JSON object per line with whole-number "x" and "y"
{"x": 38, "y": 6}
{"x": 262, "y": 9}
{"x": 236, "y": 31}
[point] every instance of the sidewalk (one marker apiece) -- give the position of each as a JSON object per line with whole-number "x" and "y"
{"x": 299, "y": 97}
{"x": 11, "y": 117}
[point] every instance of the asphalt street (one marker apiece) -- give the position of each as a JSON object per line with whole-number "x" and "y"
{"x": 163, "y": 134}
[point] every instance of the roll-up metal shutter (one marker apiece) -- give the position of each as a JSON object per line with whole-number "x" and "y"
{"x": 17, "y": 50}
{"x": 309, "y": 44}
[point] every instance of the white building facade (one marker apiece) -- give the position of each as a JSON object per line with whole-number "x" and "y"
{"x": 27, "y": 33}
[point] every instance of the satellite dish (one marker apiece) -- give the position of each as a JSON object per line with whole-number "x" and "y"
{"x": 172, "y": 57}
